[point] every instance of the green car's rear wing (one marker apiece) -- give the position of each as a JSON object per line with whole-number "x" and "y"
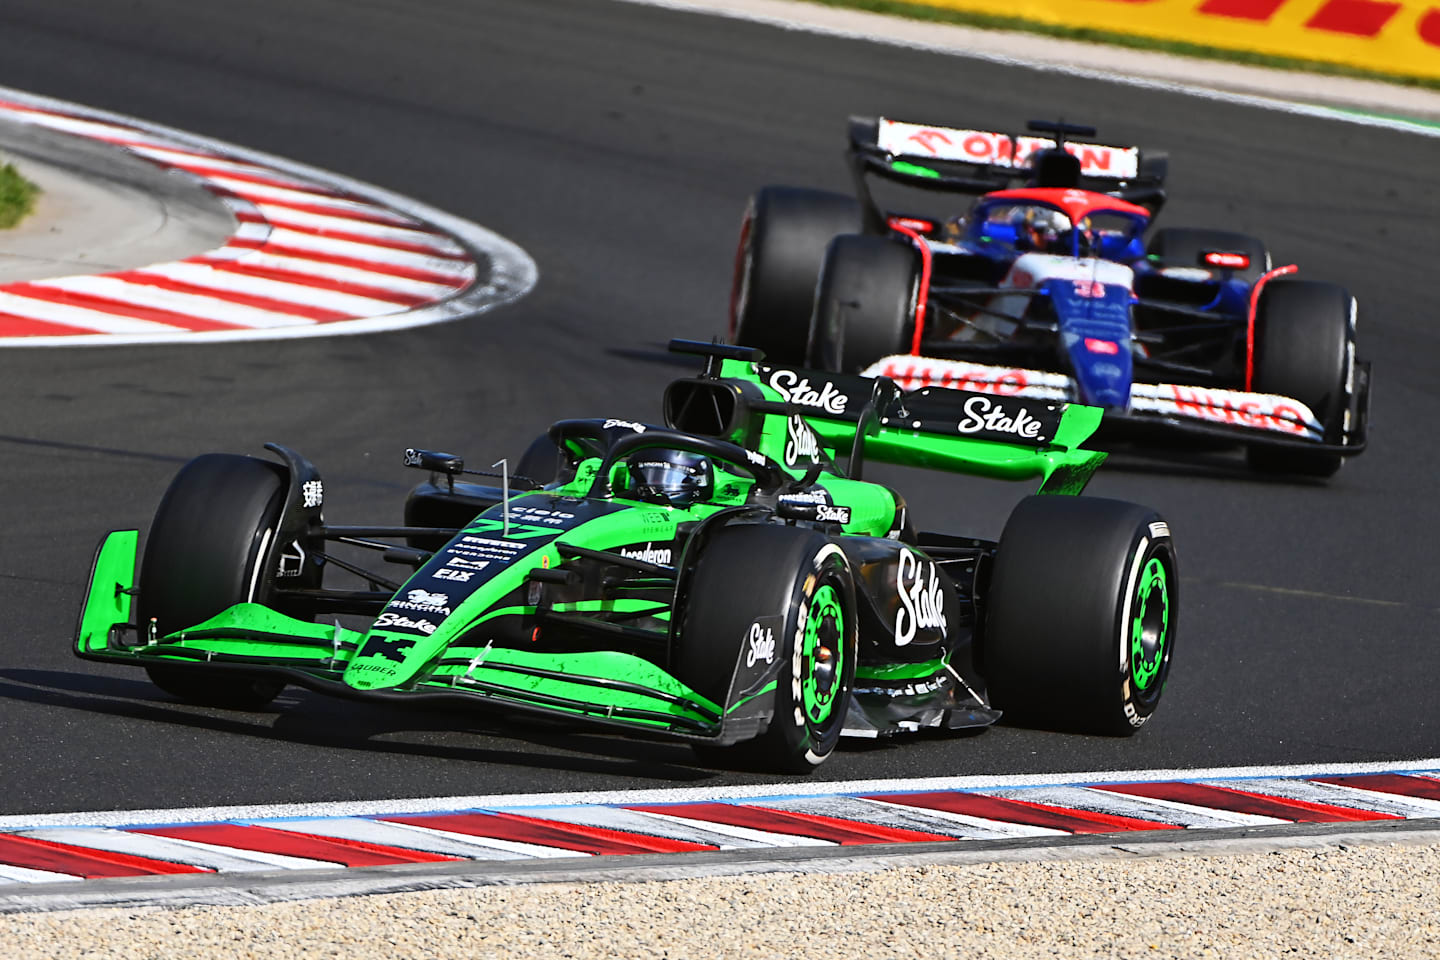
{"x": 864, "y": 418}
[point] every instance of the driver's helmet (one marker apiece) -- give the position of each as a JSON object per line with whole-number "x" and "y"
{"x": 1040, "y": 229}
{"x": 676, "y": 475}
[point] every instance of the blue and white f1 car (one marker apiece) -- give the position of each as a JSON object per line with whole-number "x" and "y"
{"x": 1047, "y": 287}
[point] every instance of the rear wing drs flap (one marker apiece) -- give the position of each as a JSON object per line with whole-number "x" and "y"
{"x": 960, "y": 160}
{"x": 871, "y": 418}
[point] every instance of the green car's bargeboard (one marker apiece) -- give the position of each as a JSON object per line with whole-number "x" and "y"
{"x": 729, "y": 579}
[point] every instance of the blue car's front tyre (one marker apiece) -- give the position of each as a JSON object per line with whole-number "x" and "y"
{"x": 206, "y": 551}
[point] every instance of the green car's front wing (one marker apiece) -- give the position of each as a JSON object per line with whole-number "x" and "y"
{"x": 607, "y": 688}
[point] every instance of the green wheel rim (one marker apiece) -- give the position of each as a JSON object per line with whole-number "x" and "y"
{"x": 824, "y": 627}
{"x": 1150, "y": 627}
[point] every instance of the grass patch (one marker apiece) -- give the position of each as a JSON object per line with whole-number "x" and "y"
{"x": 17, "y": 196}
{"x": 987, "y": 21}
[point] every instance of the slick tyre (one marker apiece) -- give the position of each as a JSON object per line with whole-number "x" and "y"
{"x": 1304, "y": 348}
{"x": 205, "y": 552}
{"x": 760, "y": 583}
{"x": 1081, "y": 615}
{"x": 864, "y": 303}
{"x": 1183, "y": 246}
{"x": 782, "y": 244}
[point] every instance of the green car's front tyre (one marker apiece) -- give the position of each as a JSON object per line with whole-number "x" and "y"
{"x": 205, "y": 553}
{"x": 798, "y": 584}
{"x": 1081, "y": 614}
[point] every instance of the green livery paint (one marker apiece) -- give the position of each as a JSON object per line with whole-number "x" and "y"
{"x": 1150, "y": 626}
{"x": 571, "y": 600}
{"x": 1061, "y": 465}
{"x": 913, "y": 169}
{"x": 823, "y": 652}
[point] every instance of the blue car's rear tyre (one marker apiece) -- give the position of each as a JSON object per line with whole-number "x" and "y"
{"x": 782, "y": 244}
{"x": 864, "y": 303}
{"x": 787, "y": 585}
{"x": 205, "y": 552}
{"x": 1081, "y": 614}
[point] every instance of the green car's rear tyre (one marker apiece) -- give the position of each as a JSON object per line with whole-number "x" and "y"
{"x": 801, "y": 583}
{"x": 1081, "y": 614}
{"x": 204, "y": 553}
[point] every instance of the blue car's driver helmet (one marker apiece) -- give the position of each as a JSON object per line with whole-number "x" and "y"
{"x": 1041, "y": 230}
{"x": 671, "y": 476}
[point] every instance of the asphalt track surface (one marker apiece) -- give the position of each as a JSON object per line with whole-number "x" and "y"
{"x": 617, "y": 144}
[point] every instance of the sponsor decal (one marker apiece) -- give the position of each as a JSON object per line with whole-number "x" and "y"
{"x": 762, "y": 645}
{"x": 1109, "y": 370}
{"x": 292, "y": 560}
{"x": 467, "y": 564}
{"x": 518, "y": 530}
{"x": 984, "y": 414}
{"x": 796, "y": 389}
{"x": 1102, "y": 346}
{"x": 1230, "y": 261}
{"x": 389, "y": 648}
{"x": 1188, "y": 274}
{"x": 1261, "y": 411}
{"x": 540, "y": 515}
{"x": 627, "y": 424}
{"x": 395, "y": 621}
{"x": 649, "y": 553}
{"x": 829, "y": 514}
{"x": 509, "y": 545}
{"x": 813, "y": 495}
{"x": 997, "y": 149}
{"x": 915, "y": 373}
{"x": 922, "y": 598}
{"x": 362, "y": 667}
{"x": 412, "y": 457}
{"x": 909, "y": 689}
{"x": 312, "y": 494}
{"x": 755, "y": 458}
{"x": 801, "y": 443}
{"x": 423, "y": 601}
{"x": 458, "y": 576}
{"x": 911, "y": 223}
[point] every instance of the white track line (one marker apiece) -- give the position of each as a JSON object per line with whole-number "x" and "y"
{"x": 174, "y": 850}
{"x": 694, "y": 794}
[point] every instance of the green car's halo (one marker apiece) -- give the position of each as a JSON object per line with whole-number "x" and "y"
{"x": 729, "y": 578}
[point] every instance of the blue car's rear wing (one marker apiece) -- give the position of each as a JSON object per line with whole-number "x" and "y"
{"x": 959, "y": 160}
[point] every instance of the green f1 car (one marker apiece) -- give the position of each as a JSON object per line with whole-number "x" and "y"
{"x": 728, "y": 579}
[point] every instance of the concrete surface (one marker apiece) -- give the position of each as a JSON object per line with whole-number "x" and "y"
{"x": 101, "y": 209}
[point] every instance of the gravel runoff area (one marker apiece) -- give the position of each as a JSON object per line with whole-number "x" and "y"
{"x": 1339, "y": 901}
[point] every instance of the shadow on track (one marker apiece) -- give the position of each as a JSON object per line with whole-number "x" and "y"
{"x": 314, "y": 720}
{"x": 1223, "y": 465}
